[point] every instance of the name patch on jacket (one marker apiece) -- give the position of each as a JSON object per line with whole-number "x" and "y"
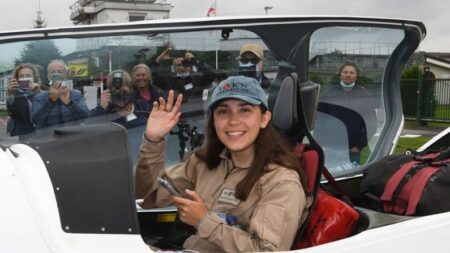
{"x": 227, "y": 196}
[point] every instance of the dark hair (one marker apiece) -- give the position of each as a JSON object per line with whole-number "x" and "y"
{"x": 270, "y": 147}
{"x": 345, "y": 64}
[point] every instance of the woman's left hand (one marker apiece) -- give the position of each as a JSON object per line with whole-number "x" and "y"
{"x": 191, "y": 211}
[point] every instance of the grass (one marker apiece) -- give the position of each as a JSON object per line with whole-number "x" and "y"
{"x": 3, "y": 113}
{"x": 404, "y": 144}
{"x": 442, "y": 112}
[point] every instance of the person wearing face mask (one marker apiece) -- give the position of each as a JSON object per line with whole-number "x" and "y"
{"x": 188, "y": 75}
{"x": 251, "y": 63}
{"x": 118, "y": 104}
{"x": 143, "y": 87}
{"x": 357, "y": 108}
{"x": 22, "y": 88}
{"x": 60, "y": 104}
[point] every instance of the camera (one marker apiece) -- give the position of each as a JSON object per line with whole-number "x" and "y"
{"x": 248, "y": 71}
{"x": 187, "y": 63}
{"x": 119, "y": 98}
{"x": 57, "y": 77}
{"x": 24, "y": 84}
{"x": 117, "y": 80}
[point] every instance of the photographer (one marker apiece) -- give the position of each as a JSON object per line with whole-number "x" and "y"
{"x": 60, "y": 104}
{"x": 188, "y": 75}
{"x": 117, "y": 103}
{"x": 251, "y": 63}
{"x": 24, "y": 85}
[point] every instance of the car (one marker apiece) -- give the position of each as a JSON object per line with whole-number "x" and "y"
{"x": 68, "y": 186}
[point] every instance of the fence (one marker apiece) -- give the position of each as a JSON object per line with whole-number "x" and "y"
{"x": 426, "y": 101}
{"x": 3, "y": 96}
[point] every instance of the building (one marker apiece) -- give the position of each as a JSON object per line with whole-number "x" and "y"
{"x": 436, "y": 63}
{"x": 86, "y": 12}
{"x": 5, "y": 75}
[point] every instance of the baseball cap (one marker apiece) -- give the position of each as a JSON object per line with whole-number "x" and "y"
{"x": 239, "y": 87}
{"x": 253, "y": 48}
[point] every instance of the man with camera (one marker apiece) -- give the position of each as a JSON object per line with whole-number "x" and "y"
{"x": 60, "y": 104}
{"x": 251, "y": 63}
{"x": 188, "y": 75}
{"x": 117, "y": 103}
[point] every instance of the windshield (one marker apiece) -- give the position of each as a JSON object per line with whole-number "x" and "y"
{"x": 48, "y": 84}
{"x": 349, "y": 63}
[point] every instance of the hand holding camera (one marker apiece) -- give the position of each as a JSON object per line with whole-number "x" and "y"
{"x": 64, "y": 93}
{"x": 105, "y": 99}
{"x": 61, "y": 91}
{"x": 12, "y": 86}
{"x": 55, "y": 91}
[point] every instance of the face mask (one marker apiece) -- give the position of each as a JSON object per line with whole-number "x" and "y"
{"x": 246, "y": 68}
{"x": 246, "y": 65}
{"x": 183, "y": 74}
{"x": 347, "y": 86}
{"x": 31, "y": 79}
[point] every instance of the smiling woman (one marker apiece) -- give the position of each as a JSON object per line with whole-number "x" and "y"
{"x": 238, "y": 129}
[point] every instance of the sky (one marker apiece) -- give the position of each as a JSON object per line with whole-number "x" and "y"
{"x": 19, "y": 14}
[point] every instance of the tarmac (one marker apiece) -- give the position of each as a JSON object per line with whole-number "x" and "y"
{"x": 422, "y": 130}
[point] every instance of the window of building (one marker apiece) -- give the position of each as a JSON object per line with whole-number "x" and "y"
{"x": 136, "y": 17}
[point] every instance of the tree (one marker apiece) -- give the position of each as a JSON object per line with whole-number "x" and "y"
{"x": 39, "y": 52}
{"x": 411, "y": 72}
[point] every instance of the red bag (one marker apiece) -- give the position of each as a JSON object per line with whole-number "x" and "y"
{"x": 331, "y": 219}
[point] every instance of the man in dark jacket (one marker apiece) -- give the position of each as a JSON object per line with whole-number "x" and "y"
{"x": 188, "y": 75}
{"x": 354, "y": 105}
{"x": 60, "y": 104}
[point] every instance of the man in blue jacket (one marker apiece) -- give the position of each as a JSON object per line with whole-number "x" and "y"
{"x": 59, "y": 105}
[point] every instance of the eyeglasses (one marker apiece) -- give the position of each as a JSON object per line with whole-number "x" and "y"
{"x": 253, "y": 61}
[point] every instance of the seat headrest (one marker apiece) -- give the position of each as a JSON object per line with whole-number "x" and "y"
{"x": 285, "y": 110}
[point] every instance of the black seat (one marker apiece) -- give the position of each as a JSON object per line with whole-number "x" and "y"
{"x": 91, "y": 173}
{"x": 293, "y": 115}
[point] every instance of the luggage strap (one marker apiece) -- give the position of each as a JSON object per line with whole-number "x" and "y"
{"x": 412, "y": 191}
